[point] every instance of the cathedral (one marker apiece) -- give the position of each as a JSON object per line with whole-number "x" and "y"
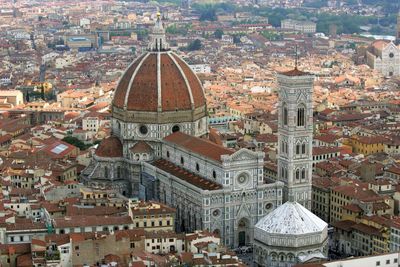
{"x": 159, "y": 150}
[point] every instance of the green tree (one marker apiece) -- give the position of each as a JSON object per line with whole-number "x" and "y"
{"x": 75, "y": 142}
{"x": 218, "y": 33}
{"x": 195, "y": 45}
{"x": 208, "y": 12}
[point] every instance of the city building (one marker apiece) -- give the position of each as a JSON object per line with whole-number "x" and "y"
{"x": 385, "y": 259}
{"x": 298, "y": 25}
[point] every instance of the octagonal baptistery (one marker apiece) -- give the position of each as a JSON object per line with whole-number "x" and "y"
{"x": 289, "y": 235}
{"x": 158, "y": 94}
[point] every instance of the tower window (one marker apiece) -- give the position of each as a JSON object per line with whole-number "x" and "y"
{"x": 301, "y": 116}
{"x": 303, "y": 174}
{"x": 197, "y": 167}
{"x": 297, "y": 149}
{"x": 182, "y": 161}
{"x": 297, "y": 174}
{"x": 303, "y": 148}
{"x": 285, "y": 115}
{"x": 214, "y": 174}
{"x": 167, "y": 154}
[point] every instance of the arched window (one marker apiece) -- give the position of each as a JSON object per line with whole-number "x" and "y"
{"x": 175, "y": 128}
{"x": 285, "y": 115}
{"x": 301, "y": 119}
{"x": 297, "y": 174}
{"x": 297, "y": 149}
{"x": 303, "y": 148}
{"x": 303, "y": 174}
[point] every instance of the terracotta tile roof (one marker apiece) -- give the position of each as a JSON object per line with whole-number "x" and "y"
{"x": 352, "y": 207}
{"x": 295, "y": 72}
{"x": 141, "y": 147}
{"x": 110, "y": 147}
{"x": 140, "y": 81}
{"x": 324, "y": 150}
{"x": 199, "y": 146}
{"x": 327, "y": 138}
{"x": 90, "y": 220}
{"x": 184, "y": 175}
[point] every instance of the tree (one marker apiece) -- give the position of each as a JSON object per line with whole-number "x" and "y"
{"x": 208, "y": 12}
{"x": 218, "y": 34}
{"x": 195, "y": 45}
{"x": 75, "y": 142}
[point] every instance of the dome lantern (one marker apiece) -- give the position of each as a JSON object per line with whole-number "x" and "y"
{"x": 158, "y": 40}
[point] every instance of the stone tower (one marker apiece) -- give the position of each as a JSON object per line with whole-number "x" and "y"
{"x": 295, "y": 130}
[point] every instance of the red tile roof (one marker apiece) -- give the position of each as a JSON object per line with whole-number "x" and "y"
{"x": 179, "y": 85}
{"x": 110, "y": 147}
{"x": 295, "y": 72}
{"x": 199, "y": 146}
{"x": 184, "y": 175}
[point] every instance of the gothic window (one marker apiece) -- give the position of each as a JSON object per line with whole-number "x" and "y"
{"x": 283, "y": 147}
{"x": 297, "y": 149}
{"x": 301, "y": 119}
{"x": 285, "y": 115}
{"x": 297, "y": 174}
{"x": 106, "y": 172}
{"x": 303, "y": 174}
{"x": 303, "y": 148}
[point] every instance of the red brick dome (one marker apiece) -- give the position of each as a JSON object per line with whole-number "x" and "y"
{"x": 157, "y": 82}
{"x": 111, "y": 147}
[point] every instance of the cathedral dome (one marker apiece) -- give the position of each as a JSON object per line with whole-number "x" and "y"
{"x": 158, "y": 82}
{"x": 110, "y": 147}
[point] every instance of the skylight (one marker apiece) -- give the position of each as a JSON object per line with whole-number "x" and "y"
{"x": 59, "y": 148}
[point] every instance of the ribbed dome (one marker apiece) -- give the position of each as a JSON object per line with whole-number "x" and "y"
{"x": 110, "y": 147}
{"x": 157, "y": 82}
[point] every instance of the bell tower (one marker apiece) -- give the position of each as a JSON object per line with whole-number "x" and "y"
{"x": 295, "y": 134}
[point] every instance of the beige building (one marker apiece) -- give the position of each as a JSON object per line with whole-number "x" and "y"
{"x": 11, "y": 98}
{"x": 297, "y": 25}
{"x": 152, "y": 216}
